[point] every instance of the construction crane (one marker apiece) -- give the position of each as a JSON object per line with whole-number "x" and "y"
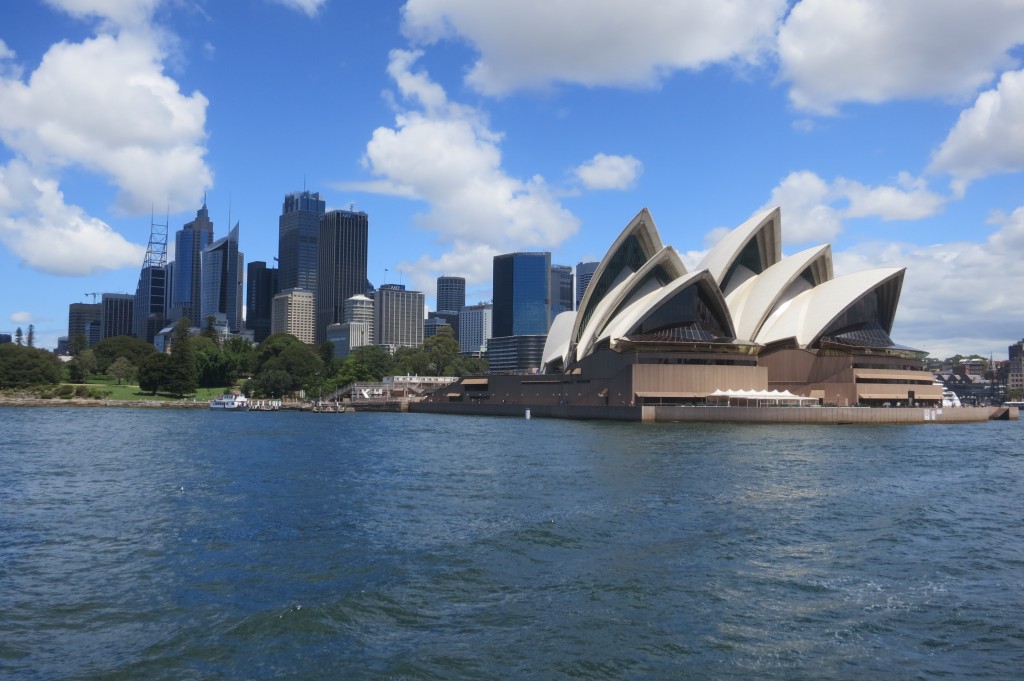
{"x": 93, "y": 296}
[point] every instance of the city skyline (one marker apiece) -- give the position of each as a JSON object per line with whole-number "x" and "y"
{"x": 526, "y": 128}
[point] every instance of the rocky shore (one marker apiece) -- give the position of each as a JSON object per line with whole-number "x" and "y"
{"x": 87, "y": 402}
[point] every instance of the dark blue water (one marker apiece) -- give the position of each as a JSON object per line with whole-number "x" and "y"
{"x": 142, "y": 544}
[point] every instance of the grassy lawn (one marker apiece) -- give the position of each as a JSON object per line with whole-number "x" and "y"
{"x": 126, "y": 391}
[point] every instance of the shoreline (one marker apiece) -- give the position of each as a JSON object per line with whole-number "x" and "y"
{"x": 88, "y": 402}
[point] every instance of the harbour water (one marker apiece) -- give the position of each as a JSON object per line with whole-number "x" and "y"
{"x": 155, "y": 544}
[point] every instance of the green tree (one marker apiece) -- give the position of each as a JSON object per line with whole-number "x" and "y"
{"x": 275, "y": 383}
{"x": 77, "y": 344}
{"x": 298, "y": 362}
{"x": 121, "y": 369}
{"x": 412, "y": 361}
{"x": 284, "y": 352}
{"x": 19, "y": 337}
{"x": 212, "y": 368}
{"x": 371, "y": 362}
{"x": 326, "y": 351}
{"x": 22, "y": 366}
{"x": 182, "y": 379}
{"x": 272, "y": 346}
{"x": 468, "y": 366}
{"x": 31, "y": 338}
{"x": 442, "y": 350}
{"x": 129, "y": 347}
{"x": 210, "y": 329}
{"x": 154, "y": 372}
{"x": 82, "y": 366}
{"x": 240, "y": 356}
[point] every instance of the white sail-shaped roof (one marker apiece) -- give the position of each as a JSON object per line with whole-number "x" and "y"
{"x": 663, "y": 267}
{"x": 635, "y": 245}
{"x": 746, "y": 251}
{"x": 755, "y": 299}
{"x": 810, "y": 314}
{"x": 556, "y": 347}
{"x": 631, "y": 318}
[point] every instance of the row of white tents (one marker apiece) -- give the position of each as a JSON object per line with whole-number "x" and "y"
{"x": 760, "y": 398}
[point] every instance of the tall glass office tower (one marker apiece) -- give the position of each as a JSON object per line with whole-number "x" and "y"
{"x": 186, "y": 288}
{"x": 299, "y": 231}
{"x": 342, "y": 265}
{"x": 522, "y": 294}
{"x": 262, "y": 289}
{"x": 561, "y": 290}
{"x": 222, "y": 282}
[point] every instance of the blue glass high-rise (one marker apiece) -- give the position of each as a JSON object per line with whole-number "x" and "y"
{"x": 186, "y": 289}
{"x": 522, "y": 294}
{"x": 298, "y": 236}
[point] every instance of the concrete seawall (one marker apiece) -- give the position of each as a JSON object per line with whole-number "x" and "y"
{"x": 826, "y": 415}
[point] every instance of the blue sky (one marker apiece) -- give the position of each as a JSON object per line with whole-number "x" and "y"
{"x": 893, "y": 131}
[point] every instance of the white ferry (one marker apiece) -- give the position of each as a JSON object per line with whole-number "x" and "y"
{"x": 230, "y": 402}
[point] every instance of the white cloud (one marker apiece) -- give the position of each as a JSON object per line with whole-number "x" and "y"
{"x": 834, "y": 51}
{"x": 958, "y": 297}
{"x": 909, "y": 200}
{"x": 21, "y": 317}
{"x": 120, "y": 13}
{"x": 806, "y": 211}
{"x": 471, "y": 260}
{"x": 533, "y": 43}
{"x": 106, "y": 106}
{"x": 609, "y": 172}
{"x": 814, "y": 210}
{"x": 989, "y": 137}
{"x": 445, "y": 154}
{"x": 52, "y": 237}
{"x": 8, "y": 68}
{"x": 309, "y": 7}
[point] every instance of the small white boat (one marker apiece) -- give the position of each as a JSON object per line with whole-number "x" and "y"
{"x": 230, "y": 402}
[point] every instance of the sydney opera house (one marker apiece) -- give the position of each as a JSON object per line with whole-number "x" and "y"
{"x": 745, "y": 324}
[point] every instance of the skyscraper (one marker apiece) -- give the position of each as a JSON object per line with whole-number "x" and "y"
{"x": 359, "y": 310}
{"x": 293, "y": 312}
{"x": 522, "y": 311}
{"x": 399, "y": 316}
{"x": 474, "y": 327}
{"x": 151, "y": 291}
{"x": 299, "y": 231}
{"x": 150, "y": 302}
{"x": 222, "y": 267}
{"x": 1015, "y": 376}
{"x": 584, "y": 273}
{"x": 451, "y": 293}
{"x": 262, "y": 288}
{"x": 117, "y": 315}
{"x": 561, "y": 291}
{"x": 80, "y": 316}
{"x": 343, "y": 239}
{"x": 522, "y": 294}
{"x": 188, "y": 273}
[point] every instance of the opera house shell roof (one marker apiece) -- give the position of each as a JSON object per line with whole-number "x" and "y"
{"x": 744, "y": 294}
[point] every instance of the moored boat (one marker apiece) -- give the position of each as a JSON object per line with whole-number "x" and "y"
{"x": 230, "y": 402}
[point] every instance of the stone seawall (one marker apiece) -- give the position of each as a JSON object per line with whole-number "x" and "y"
{"x": 826, "y": 415}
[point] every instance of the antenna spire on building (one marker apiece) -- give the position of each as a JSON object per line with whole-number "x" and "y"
{"x": 156, "y": 251}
